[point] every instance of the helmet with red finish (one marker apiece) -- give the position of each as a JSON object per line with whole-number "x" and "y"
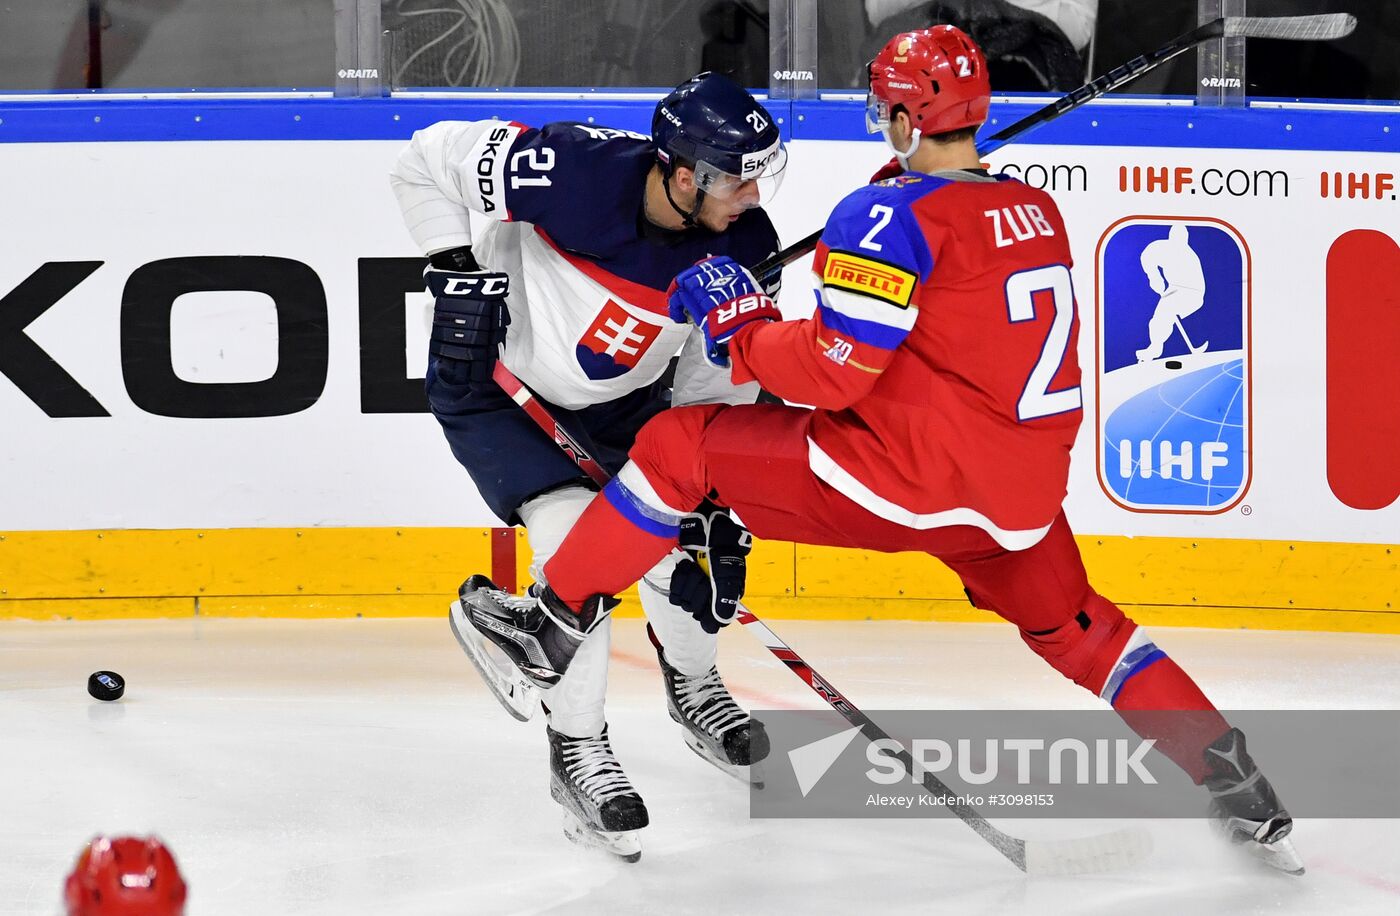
{"x": 938, "y": 75}
{"x": 125, "y": 876}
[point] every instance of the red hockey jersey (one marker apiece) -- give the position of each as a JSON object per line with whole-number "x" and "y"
{"x": 942, "y": 355}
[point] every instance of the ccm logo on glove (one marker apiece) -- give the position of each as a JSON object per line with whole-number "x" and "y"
{"x": 488, "y": 286}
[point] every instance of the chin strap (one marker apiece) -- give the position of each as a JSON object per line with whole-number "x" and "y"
{"x": 687, "y": 218}
{"x": 902, "y": 155}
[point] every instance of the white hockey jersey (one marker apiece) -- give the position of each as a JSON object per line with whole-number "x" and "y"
{"x": 588, "y": 272}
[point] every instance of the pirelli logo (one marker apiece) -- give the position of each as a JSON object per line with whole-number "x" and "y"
{"x": 869, "y": 278}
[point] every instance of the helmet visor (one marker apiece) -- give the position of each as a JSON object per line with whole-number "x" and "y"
{"x": 762, "y": 175}
{"x": 877, "y": 114}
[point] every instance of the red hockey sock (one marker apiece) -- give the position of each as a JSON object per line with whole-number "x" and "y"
{"x": 1161, "y": 701}
{"x": 612, "y": 545}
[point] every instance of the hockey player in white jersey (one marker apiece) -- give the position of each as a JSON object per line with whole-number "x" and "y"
{"x": 566, "y": 287}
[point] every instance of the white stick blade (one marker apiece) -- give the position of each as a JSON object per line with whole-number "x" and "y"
{"x": 1324, "y": 27}
{"x": 1087, "y": 855}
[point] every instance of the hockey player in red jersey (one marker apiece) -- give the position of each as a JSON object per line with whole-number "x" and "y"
{"x": 941, "y": 363}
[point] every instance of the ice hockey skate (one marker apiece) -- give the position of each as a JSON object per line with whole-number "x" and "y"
{"x": 537, "y": 633}
{"x": 1244, "y": 806}
{"x": 601, "y": 808}
{"x": 715, "y": 727}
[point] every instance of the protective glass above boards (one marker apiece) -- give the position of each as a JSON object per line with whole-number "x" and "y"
{"x": 1058, "y": 45}
{"x": 619, "y": 43}
{"x": 151, "y": 44}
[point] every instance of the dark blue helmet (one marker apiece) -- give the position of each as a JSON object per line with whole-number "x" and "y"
{"x": 714, "y": 126}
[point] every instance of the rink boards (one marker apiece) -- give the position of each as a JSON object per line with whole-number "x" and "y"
{"x": 211, "y": 361}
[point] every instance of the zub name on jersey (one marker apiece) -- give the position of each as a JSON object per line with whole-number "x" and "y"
{"x": 1026, "y": 221}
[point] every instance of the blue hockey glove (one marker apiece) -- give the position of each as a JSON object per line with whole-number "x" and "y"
{"x": 719, "y": 297}
{"x": 469, "y": 311}
{"x": 710, "y": 581}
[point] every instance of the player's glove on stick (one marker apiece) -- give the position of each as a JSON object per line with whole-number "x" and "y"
{"x": 469, "y": 311}
{"x": 719, "y": 296}
{"x": 710, "y": 581}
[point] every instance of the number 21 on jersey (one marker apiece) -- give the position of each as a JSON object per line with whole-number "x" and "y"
{"x": 1037, "y": 400}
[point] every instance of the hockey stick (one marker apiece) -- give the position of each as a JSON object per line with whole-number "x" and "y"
{"x": 1104, "y": 852}
{"x": 1193, "y": 348}
{"x": 1324, "y": 27}
{"x": 515, "y": 389}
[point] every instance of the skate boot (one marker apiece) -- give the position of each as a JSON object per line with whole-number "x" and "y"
{"x": 537, "y": 633}
{"x": 1244, "y": 807}
{"x": 601, "y": 809}
{"x": 715, "y": 727}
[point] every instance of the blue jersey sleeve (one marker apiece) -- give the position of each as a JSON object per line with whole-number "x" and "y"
{"x": 875, "y": 223}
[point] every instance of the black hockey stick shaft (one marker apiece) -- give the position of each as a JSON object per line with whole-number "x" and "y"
{"x": 1295, "y": 28}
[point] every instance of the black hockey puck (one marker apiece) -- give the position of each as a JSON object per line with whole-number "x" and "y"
{"x": 106, "y": 685}
{"x": 1173, "y": 364}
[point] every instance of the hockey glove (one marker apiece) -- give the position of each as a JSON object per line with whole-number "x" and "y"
{"x": 719, "y": 297}
{"x": 469, "y": 311}
{"x": 710, "y": 581}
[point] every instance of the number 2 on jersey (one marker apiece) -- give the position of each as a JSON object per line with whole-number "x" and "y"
{"x": 881, "y": 214}
{"x": 1037, "y": 400}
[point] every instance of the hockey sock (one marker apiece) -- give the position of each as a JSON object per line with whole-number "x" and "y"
{"x": 1161, "y": 701}
{"x": 624, "y": 532}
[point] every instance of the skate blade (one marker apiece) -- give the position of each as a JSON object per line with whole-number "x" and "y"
{"x": 1280, "y": 855}
{"x": 625, "y": 844}
{"x": 510, "y": 687}
{"x": 749, "y": 776}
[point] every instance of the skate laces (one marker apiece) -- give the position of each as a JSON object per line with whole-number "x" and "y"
{"x": 707, "y": 702}
{"x": 515, "y": 603}
{"x": 590, "y": 763}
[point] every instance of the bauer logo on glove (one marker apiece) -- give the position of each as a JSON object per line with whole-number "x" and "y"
{"x": 719, "y": 296}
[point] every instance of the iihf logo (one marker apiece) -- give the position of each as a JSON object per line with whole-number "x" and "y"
{"x": 1173, "y": 380}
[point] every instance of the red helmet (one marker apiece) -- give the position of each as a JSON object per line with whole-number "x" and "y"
{"x": 939, "y": 75}
{"x": 128, "y": 876}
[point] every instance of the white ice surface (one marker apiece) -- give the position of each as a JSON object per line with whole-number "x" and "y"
{"x": 358, "y": 767}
